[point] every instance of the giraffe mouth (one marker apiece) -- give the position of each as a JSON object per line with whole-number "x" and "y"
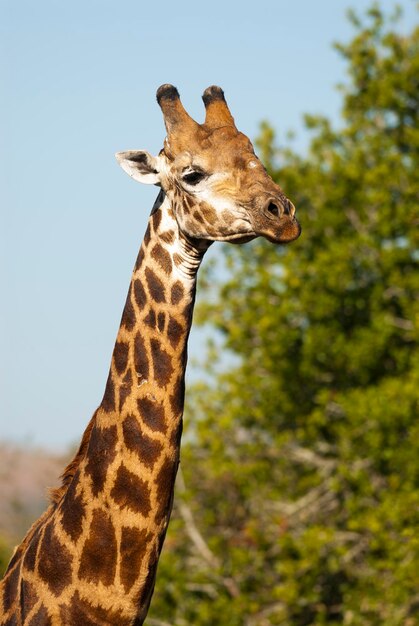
{"x": 283, "y": 230}
{"x": 237, "y": 237}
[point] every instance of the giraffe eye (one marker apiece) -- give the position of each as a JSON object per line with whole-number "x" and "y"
{"x": 193, "y": 178}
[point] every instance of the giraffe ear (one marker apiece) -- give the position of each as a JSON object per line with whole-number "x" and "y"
{"x": 140, "y": 165}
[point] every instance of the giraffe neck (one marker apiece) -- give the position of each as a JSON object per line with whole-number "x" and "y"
{"x": 149, "y": 358}
{"x": 133, "y": 452}
{"x": 107, "y": 524}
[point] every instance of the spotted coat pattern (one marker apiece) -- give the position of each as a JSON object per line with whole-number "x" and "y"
{"x": 91, "y": 559}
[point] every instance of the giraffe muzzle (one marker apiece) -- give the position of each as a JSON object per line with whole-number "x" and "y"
{"x": 276, "y": 220}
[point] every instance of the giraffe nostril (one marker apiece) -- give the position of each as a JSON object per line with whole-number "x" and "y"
{"x": 289, "y": 208}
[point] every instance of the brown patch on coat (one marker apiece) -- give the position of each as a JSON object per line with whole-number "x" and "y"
{"x": 120, "y": 356}
{"x": 175, "y": 331}
{"x": 177, "y": 259}
{"x": 161, "y": 321}
{"x": 28, "y": 597}
{"x": 156, "y": 218}
{"x": 10, "y": 588}
{"x": 108, "y": 401}
{"x": 177, "y": 398}
{"x": 55, "y": 566}
{"x": 128, "y": 314}
{"x": 125, "y": 389}
{"x": 168, "y": 236}
{"x": 29, "y": 560}
{"x": 140, "y": 259}
{"x": 150, "y": 318}
{"x": 177, "y": 292}
{"x": 147, "y": 589}
{"x": 140, "y": 295}
{"x": 162, "y": 363}
{"x": 155, "y": 286}
{"x": 165, "y": 484}
{"x": 100, "y": 454}
{"x": 98, "y": 559}
{"x": 41, "y": 618}
{"x": 72, "y": 511}
{"x": 140, "y": 358}
{"x": 131, "y": 492}
{"x": 133, "y": 550}
{"x": 152, "y": 414}
{"x": 147, "y": 449}
{"x": 162, "y": 258}
{"x": 81, "y": 612}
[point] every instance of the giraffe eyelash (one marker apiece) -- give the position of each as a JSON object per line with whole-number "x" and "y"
{"x": 194, "y": 177}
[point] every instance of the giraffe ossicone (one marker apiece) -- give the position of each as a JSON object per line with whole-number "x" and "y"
{"x": 91, "y": 558}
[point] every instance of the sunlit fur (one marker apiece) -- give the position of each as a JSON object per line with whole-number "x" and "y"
{"x": 92, "y": 557}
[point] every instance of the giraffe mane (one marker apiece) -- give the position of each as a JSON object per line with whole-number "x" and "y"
{"x": 56, "y": 493}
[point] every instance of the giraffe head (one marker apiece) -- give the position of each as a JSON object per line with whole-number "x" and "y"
{"x": 218, "y": 188}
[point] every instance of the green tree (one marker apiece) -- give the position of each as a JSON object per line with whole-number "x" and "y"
{"x": 301, "y": 462}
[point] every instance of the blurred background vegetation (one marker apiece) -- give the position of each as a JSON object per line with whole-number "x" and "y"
{"x": 298, "y": 502}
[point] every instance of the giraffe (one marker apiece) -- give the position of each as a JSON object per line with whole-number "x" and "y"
{"x": 91, "y": 558}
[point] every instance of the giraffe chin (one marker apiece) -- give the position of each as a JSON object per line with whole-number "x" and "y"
{"x": 244, "y": 239}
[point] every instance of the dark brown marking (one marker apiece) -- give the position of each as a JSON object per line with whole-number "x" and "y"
{"x": 98, "y": 559}
{"x": 128, "y": 315}
{"x": 28, "y": 597}
{"x": 165, "y": 482}
{"x": 162, "y": 257}
{"x": 199, "y": 218}
{"x": 208, "y": 213}
{"x": 120, "y": 356}
{"x": 175, "y": 332}
{"x": 155, "y": 286}
{"x": 17, "y": 555}
{"x": 147, "y": 237}
{"x": 148, "y": 588}
{"x": 150, "y": 318}
{"x": 10, "y": 588}
{"x": 176, "y": 435}
{"x": 131, "y": 492}
{"x": 41, "y": 618}
{"x": 147, "y": 449}
{"x": 177, "y": 398}
{"x": 140, "y": 259}
{"x": 72, "y": 510}
{"x": 100, "y": 453}
{"x": 188, "y": 201}
{"x": 177, "y": 259}
{"x": 152, "y": 414}
{"x": 108, "y": 401}
{"x": 168, "y": 236}
{"x": 12, "y": 621}
{"x": 140, "y": 358}
{"x": 140, "y": 295}
{"x": 29, "y": 560}
{"x": 161, "y": 320}
{"x": 187, "y": 314}
{"x": 133, "y": 549}
{"x": 55, "y": 565}
{"x": 125, "y": 389}
{"x": 177, "y": 292}
{"x": 162, "y": 363}
{"x": 156, "y": 220}
{"x": 81, "y": 612}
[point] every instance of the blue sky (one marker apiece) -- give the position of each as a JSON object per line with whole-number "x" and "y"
{"x": 79, "y": 82}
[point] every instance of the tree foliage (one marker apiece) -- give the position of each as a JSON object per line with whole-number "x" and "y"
{"x": 299, "y": 499}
